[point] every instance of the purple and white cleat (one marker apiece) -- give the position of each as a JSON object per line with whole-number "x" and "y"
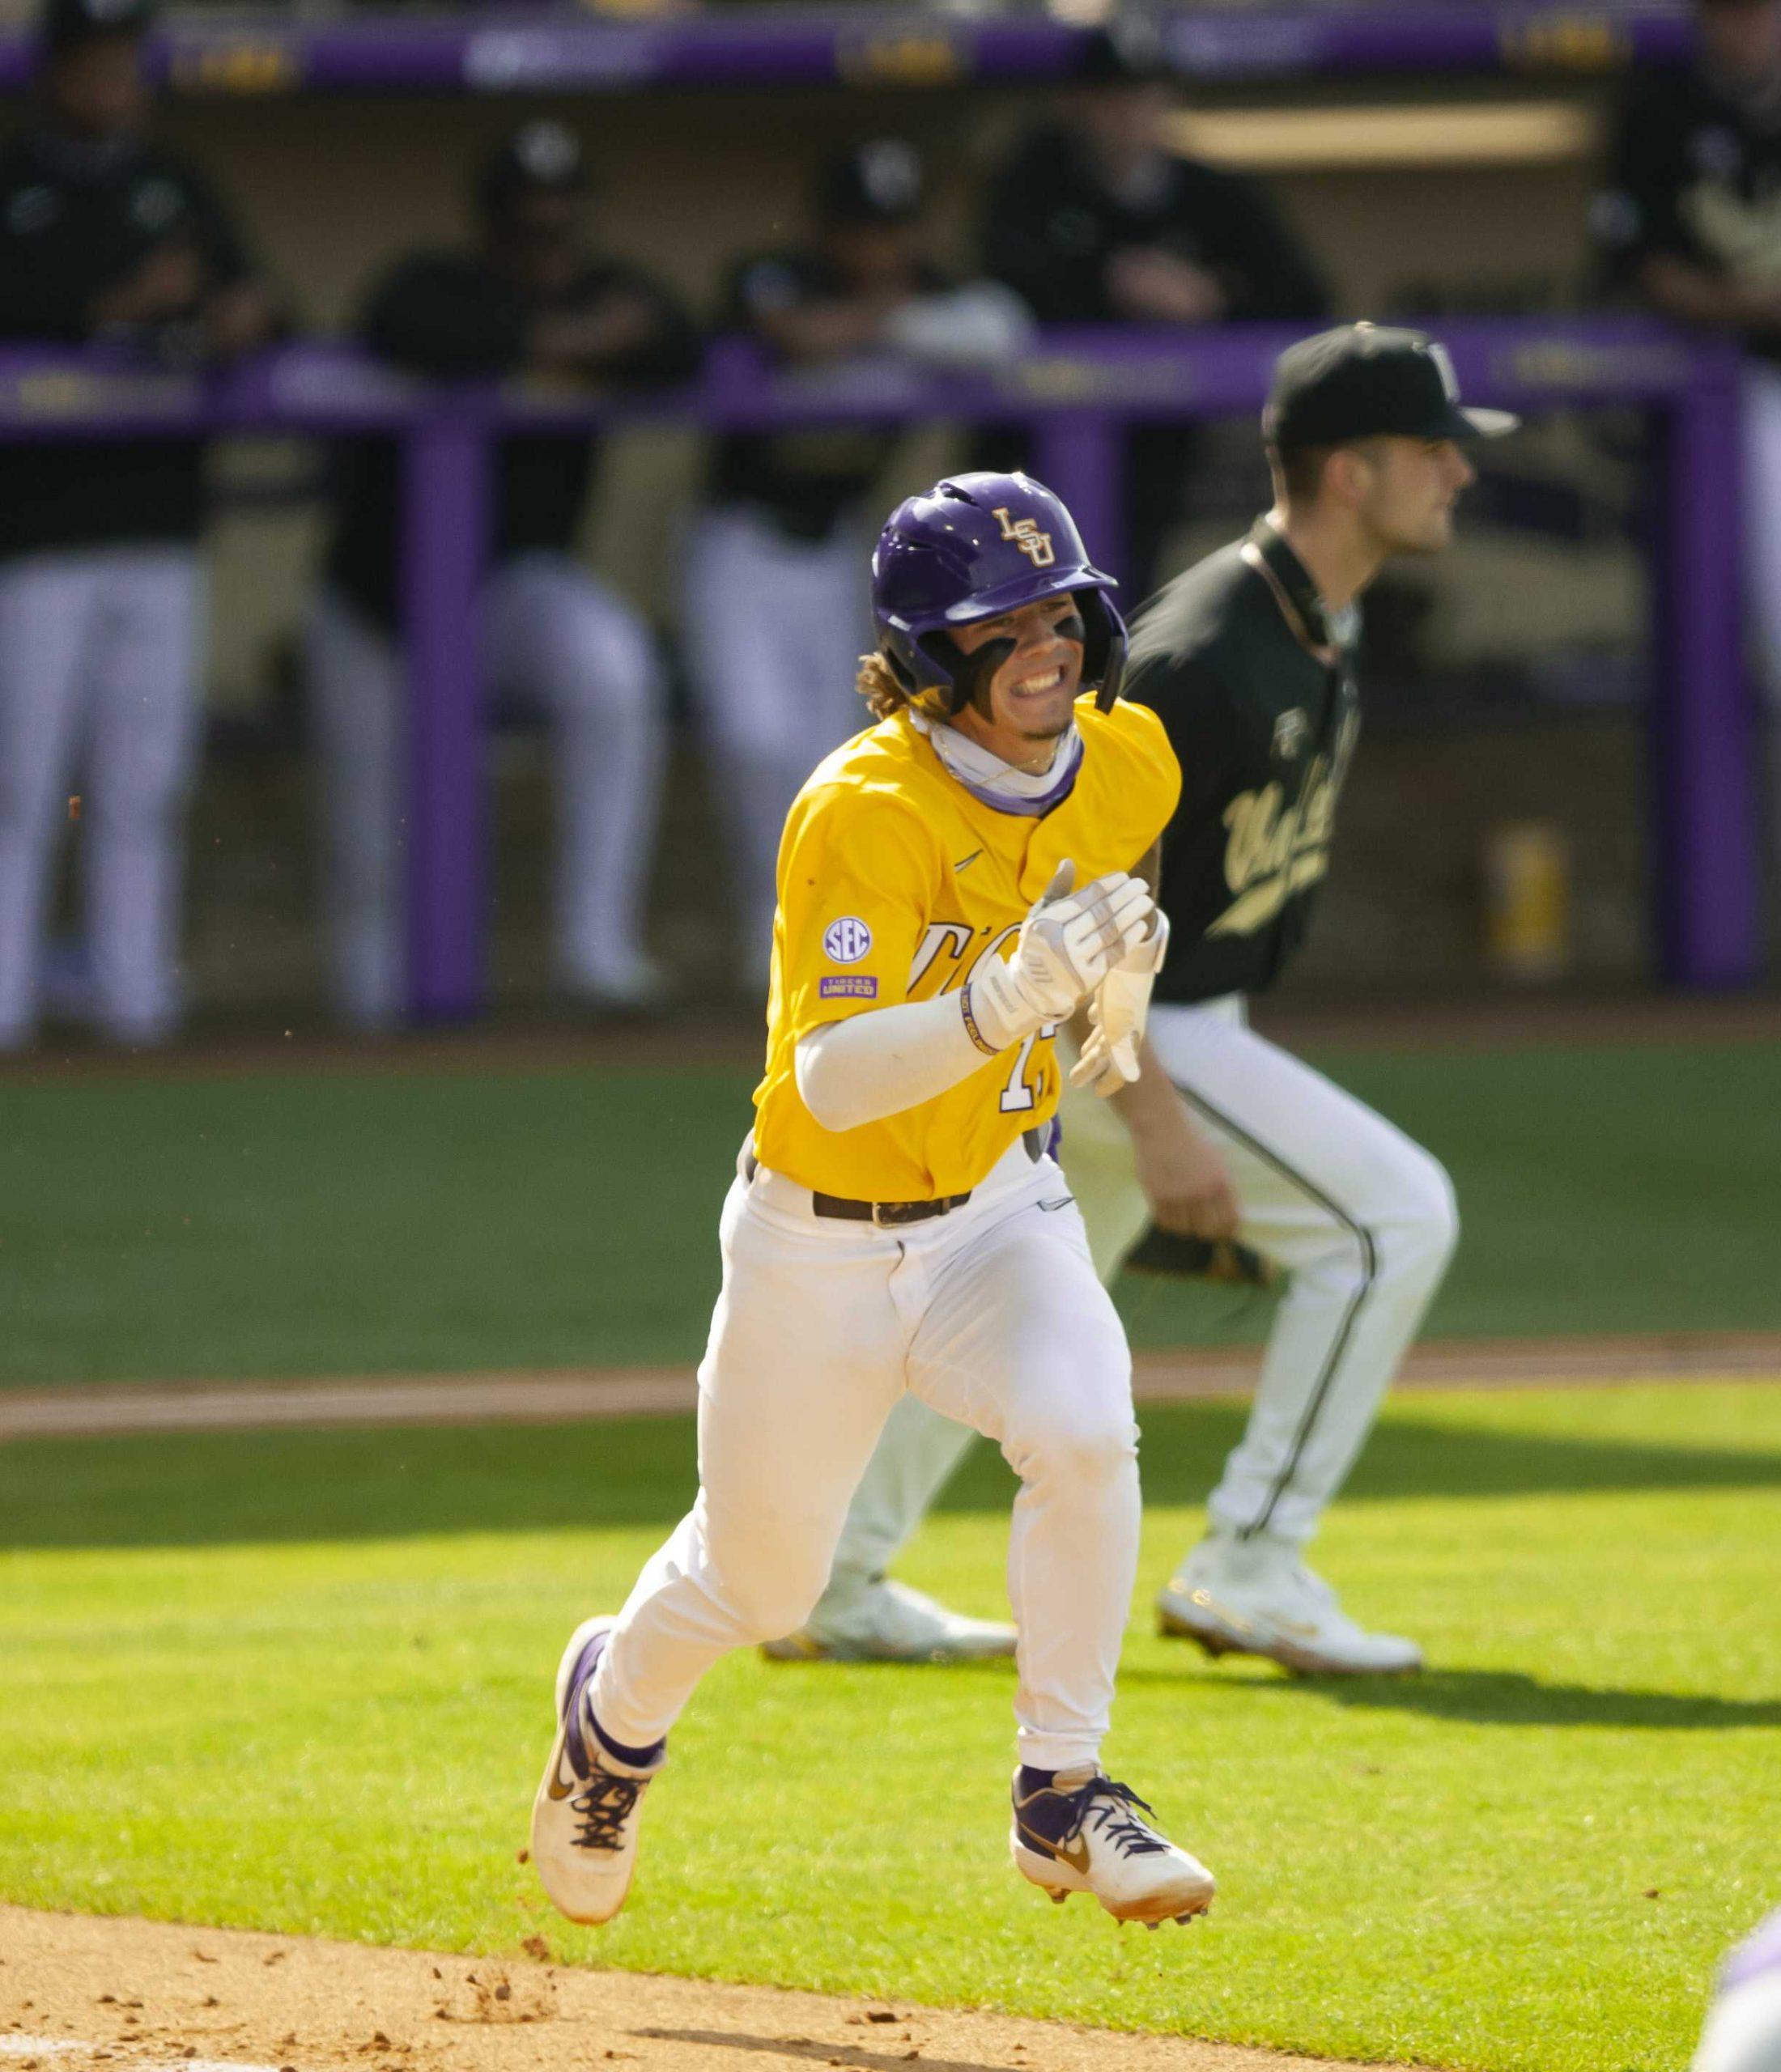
{"x": 1083, "y": 1833}
{"x": 584, "y": 1818}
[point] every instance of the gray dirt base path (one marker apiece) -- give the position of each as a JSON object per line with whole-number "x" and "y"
{"x": 562, "y": 1396}
{"x": 79, "y": 1994}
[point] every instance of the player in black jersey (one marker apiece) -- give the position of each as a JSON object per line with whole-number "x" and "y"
{"x": 1690, "y": 223}
{"x": 105, "y": 236}
{"x": 530, "y": 297}
{"x": 1249, "y": 659}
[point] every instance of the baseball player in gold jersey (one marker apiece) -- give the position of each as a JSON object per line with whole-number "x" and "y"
{"x": 953, "y": 884}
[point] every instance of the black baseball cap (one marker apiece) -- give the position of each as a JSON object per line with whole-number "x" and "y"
{"x": 541, "y": 157}
{"x": 63, "y": 23}
{"x": 880, "y": 182}
{"x": 1366, "y": 382}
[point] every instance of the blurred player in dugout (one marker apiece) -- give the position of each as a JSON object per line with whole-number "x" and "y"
{"x": 775, "y": 617}
{"x": 1691, "y": 224}
{"x": 529, "y": 297}
{"x": 1098, "y": 218}
{"x": 103, "y": 236}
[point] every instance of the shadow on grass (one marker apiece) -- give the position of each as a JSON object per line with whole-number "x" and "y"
{"x": 1488, "y": 1697}
{"x": 206, "y": 1489}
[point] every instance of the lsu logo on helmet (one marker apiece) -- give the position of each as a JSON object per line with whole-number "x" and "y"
{"x": 1025, "y": 535}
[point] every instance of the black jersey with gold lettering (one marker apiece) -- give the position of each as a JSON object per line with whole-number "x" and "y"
{"x": 1255, "y": 686}
{"x": 1695, "y": 174}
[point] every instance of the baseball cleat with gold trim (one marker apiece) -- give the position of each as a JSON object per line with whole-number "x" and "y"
{"x": 1083, "y": 1833}
{"x": 1255, "y": 1596}
{"x": 877, "y": 1620}
{"x": 584, "y": 1817}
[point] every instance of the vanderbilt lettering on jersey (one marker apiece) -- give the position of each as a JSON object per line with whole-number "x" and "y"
{"x": 1255, "y": 683}
{"x": 1274, "y": 849}
{"x": 931, "y": 881}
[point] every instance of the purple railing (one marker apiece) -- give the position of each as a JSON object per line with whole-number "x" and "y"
{"x": 1075, "y": 388}
{"x": 530, "y": 49}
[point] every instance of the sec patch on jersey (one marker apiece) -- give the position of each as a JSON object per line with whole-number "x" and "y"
{"x": 846, "y": 941}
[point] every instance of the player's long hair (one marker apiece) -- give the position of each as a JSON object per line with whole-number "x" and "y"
{"x": 878, "y": 685}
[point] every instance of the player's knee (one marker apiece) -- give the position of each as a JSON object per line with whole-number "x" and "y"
{"x": 767, "y": 1604}
{"x": 1076, "y": 1440}
{"x": 606, "y": 665}
{"x": 1424, "y": 1226}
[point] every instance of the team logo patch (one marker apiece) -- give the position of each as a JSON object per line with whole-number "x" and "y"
{"x": 1024, "y": 534}
{"x": 858, "y": 987}
{"x": 846, "y": 941}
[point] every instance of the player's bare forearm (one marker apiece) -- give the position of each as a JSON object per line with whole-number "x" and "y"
{"x": 1150, "y": 1106}
{"x": 1183, "y": 1173}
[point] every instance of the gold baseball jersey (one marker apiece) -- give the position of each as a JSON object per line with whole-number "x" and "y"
{"x": 894, "y": 880}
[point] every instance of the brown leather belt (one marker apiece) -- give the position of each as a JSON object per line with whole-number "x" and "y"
{"x": 890, "y": 1215}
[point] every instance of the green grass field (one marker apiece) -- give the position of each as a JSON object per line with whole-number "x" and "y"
{"x": 315, "y": 1222}
{"x": 302, "y": 1683}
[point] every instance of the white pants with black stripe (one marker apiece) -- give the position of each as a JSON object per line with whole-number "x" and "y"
{"x": 1361, "y": 1219}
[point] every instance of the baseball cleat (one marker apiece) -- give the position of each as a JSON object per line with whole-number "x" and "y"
{"x": 1082, "y": 1834}
{"x": 584, "y": 1818}
{"x": 880, "y": 1620}
{"x": 1255, "y": 1596}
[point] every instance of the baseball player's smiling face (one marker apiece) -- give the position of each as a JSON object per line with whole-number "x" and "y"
{"x": 1032, "y": 695}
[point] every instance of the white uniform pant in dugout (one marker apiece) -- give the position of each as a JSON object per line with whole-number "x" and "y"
{"x": 1361, "y": 1219}
{"x": 775, "y": 627}
{"x": 99, "y": 662}
{"x": 990, "y": 1315}
{"x": 1762, "y": 558}
{"x": 560, "y": 640}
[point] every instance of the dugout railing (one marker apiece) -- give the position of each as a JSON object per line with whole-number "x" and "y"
{"x": 1075, "y": 390}
{"x": 485, "y": 49}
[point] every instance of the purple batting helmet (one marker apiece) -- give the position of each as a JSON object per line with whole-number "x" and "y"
{"x": 973, "y": 547}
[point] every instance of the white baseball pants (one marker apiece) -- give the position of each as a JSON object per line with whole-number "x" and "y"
{"x": 99, "y": 652}
{"x": 774, "y": 628}
{"x": 992, "y": 1316}
{"x": 558, "y": 638}
{"x": 1362, "y": 1220}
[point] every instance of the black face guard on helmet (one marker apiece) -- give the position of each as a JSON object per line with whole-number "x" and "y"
{"x": 966, "y": 679}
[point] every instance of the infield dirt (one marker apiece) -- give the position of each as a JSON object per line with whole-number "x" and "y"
{"x": 78, "y": 1993}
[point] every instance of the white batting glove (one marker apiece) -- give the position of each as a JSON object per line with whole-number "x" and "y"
{"x": 1068, "y": 943}
{"x": 1117, "y": 1014}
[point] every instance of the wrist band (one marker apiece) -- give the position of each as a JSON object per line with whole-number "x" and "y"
{"x": 972, "y": 1029}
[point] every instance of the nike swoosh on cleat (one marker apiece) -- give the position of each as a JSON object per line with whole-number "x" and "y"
{"x": 557, "y": 1788}
{"x": 1076, "y": 1857}
{"x": 1239, "y": 1622}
